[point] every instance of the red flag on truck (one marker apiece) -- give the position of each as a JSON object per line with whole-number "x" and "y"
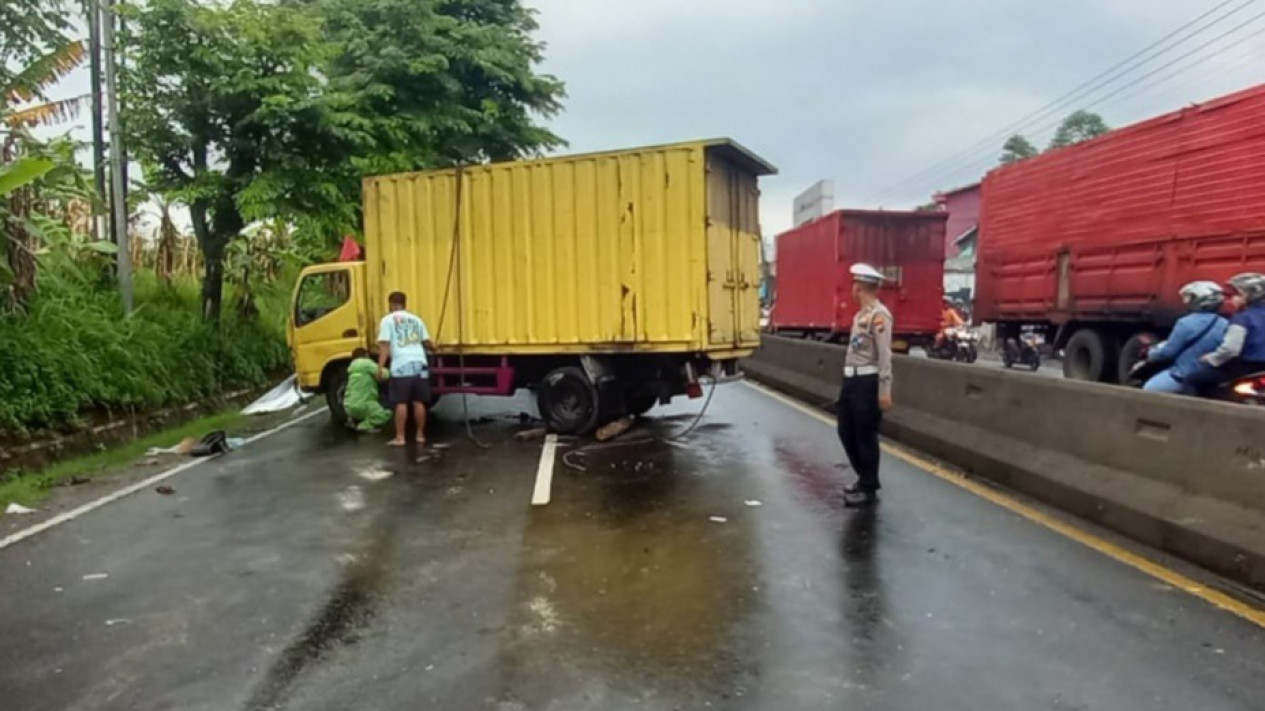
{"x": 351, "y": 251}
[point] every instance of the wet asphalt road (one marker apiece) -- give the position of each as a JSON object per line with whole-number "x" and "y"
{"x": 278, "y": 577}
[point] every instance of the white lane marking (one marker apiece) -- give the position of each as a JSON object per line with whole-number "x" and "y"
{"x": 544, "y": 473}
{"x": 128, "y": 491}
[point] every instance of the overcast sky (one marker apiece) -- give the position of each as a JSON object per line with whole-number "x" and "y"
{"x": 871, "y": 93}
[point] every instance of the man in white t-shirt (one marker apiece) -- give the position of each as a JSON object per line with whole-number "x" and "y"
{"x": 404, "y": 340}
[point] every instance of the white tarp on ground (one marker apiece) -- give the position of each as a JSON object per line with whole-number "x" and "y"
{"x": 283, "y": 397}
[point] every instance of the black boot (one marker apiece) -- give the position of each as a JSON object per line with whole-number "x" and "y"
{"x": 859, "y": 499}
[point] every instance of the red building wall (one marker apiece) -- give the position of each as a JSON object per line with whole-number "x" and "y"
{"x": 963, "y": 206}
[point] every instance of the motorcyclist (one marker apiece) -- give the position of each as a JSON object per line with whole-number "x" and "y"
{"x": 1194, "y": 335}
{"x": 949, "y": 320}
{"x": 1242, "y": 349}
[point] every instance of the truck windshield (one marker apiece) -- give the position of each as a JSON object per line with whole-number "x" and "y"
{"x": 319, "y": 294}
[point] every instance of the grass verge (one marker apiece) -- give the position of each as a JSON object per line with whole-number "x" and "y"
{"x": 30, "y": 489}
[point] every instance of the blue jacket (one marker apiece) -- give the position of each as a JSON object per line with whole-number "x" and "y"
{"x": 1253, "y": 320}
{"x": 1186, "y": 330}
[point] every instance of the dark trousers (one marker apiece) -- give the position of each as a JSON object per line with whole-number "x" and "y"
{"x": 859, "y": 419}
{"x": 1207, "y": 378}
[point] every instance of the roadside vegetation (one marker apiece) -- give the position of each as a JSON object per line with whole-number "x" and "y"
{"x": 252, "y": 123}
{"x": 30, "y": 489}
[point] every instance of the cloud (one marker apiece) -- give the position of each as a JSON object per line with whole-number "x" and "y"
{"x": 865, "y": 93}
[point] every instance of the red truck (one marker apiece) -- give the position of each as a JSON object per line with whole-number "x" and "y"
{"x": 1091, "y": 243}
{"x": 814, "y": 287}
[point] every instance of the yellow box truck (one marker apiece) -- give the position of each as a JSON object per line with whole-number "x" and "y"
{"x": 605, "y": 282}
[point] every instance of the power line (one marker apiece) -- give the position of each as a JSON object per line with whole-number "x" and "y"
{"x": 983, "y": 163}
{"x": 1097, "y": 82}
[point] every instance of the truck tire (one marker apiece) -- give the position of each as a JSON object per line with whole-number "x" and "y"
{"x": 335, "y": 390}
{"x": 1131, "y": 353}
{"x": 568, "y": 401}
{"x": 1089, "y": 355}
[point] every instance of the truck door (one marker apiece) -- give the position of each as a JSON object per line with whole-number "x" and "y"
{"x": 328, "y": 320}
{"x": 733, "y": 254}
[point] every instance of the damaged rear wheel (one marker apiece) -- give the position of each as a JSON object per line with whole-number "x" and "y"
{"x": 568, "y": 401}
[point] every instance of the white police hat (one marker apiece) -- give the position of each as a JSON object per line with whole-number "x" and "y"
{"x": 865, "y": 273}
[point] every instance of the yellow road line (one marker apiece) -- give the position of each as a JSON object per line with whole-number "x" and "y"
{"x": 1103, "y": 546}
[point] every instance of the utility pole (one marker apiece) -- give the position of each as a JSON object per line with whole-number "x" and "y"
{"x": 118, "y": 191}
{"x": 93, "y": 12}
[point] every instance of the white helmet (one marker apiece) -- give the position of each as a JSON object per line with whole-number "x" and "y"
{"x": 865, "y": 273}
{"x": 1250, "y": 284}
{"x": 1203, "y": 295}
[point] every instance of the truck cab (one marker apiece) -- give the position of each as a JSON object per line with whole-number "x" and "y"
{"x": 328, "y": 320}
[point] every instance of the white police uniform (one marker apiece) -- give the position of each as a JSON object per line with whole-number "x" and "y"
{"x": 867, "y": 376}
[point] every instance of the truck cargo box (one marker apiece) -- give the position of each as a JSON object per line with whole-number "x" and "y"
{"x": 814, "y": 285}
{"x": 1110, "y": 229}
{"x": 647, "y": 250}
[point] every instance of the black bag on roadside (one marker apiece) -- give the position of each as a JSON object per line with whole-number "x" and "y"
{"x": 214, "y": 443}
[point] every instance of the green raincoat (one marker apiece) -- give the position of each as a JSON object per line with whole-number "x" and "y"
{"x": 361, "y": 399}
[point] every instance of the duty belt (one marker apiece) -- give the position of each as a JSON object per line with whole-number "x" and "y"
{"x": 854, "y": 371}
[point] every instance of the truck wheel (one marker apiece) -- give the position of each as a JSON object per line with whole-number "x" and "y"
{"x": 1131, "y": 353}
{"x": 568, "y": 401}
{"x": 335, "y": 391}
{"x": 1088, "y": 356}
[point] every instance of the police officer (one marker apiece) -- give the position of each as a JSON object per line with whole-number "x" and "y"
{"x": 867, "y": 385}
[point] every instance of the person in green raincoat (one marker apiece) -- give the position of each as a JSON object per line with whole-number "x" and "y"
{"x": 361, "y": 399}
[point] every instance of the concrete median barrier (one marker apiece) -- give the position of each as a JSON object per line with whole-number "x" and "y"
{"x": 1183, "y": 475}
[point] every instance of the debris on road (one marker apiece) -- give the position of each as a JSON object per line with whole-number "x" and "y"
{"x": 611, "y": 430}
{"x": 165, "y": 490}
{"x": 718, "y": 519}
{"x": 213, "y": 443}
{"x": 96, "y": 576}
{"x": 184, "y": 448}
{"x": 283, "y": 397}
{"x": 533, "y": 433}
{"x": 74, "y": 481}
{"x": 18, "y": 509}
{"x": 754, "y": 503}
{"x": 119, "y": 621}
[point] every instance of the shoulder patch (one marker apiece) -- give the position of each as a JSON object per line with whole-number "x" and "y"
{"x": 879, "y": 322}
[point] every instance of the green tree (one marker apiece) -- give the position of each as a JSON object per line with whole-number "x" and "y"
{"x": 38, "y": 179}
{"x": 29, "y": 29}
{"x": 249, "y": 110}
{"x": 223, "y": 106}
{"x": 1017, "y": 148}
{"x": 1077, "y": 127}
{"x": 430, "y": 83}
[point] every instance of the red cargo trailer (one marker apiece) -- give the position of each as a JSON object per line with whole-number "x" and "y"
{"x": 814, "y": 286}
{"x": 1092, "y": 242}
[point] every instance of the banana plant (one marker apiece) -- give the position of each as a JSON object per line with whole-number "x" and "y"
{"x": 22, "y": 172}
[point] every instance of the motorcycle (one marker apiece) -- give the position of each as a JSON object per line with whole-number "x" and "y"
{"x": 1248, "y": 390}
{"x": 1024, "y": 350}
{"x": 958, "y": 344}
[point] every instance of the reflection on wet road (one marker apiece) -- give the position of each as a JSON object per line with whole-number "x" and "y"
{"x": 315, "y": 570}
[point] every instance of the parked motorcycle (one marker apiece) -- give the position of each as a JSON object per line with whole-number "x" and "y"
{"x": 1024, "y": 350}
{"x": 959, "y": 344}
